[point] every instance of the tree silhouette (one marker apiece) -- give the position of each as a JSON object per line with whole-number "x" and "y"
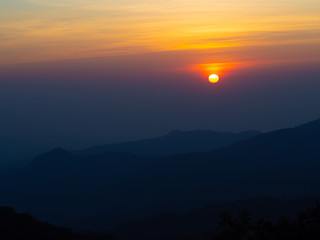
{"x": 306, "y": 226}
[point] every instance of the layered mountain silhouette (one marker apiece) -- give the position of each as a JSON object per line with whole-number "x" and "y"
{"x": 284, "y": 163}
{"x": 60, "y": 186}
{"x": 174, "y": 143}
{"x": 59, "y": 183}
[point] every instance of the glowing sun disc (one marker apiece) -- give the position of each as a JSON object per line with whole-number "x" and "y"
{"x": 213, "y": 78}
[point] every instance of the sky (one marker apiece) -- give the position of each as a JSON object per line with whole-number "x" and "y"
{"x": 75, "y": 73}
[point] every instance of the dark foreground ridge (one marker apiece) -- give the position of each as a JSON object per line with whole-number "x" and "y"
{"x": 240, "y": 226}
{"x": 204, "y": 221}
{"x": 18, "y": 226}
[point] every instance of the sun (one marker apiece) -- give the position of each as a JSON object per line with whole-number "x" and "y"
{"x": 214, "y": 78}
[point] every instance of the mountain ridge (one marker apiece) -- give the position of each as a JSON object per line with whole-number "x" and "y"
{"x": 174, "y": 142}
{"x": 122, "y": 184}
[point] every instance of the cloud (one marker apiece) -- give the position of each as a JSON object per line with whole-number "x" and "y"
{"x": 84, "y": 28}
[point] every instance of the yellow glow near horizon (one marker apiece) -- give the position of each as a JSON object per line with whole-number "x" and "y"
{"x": 214, "y": 78}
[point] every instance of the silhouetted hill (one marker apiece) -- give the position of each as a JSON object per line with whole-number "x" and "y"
{"x": 17, "y": 226}
{"x": 55, "y": 157}
{"x": 15, "y": 152}
{"x": 205, "y": 220}
{"x": 54, "y": 154}
{"x": 174, "y": 143}
{"x": 312, "y": 128}
{"x": 284, "y": 163}
{"x": 61, "y": 186}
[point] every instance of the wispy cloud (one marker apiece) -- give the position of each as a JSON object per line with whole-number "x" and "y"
{"x": 85, "y": 28}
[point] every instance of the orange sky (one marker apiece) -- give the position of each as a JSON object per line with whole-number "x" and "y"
{"x": 118, "y": 67}
{"x": 215, "y": 35}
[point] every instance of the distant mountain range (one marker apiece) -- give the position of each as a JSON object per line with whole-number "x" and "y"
{"x": 64, "y": 177}
{"x": 16, "y": 153}
{"x": 284, "y": 163}
{"x": 60, "y": 186}
{"x": 174, "y": 143}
